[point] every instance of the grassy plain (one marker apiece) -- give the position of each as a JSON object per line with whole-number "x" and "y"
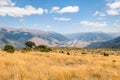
{"x": 79, "y": 64}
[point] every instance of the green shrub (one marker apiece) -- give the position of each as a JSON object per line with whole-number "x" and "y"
{"x": 30, "y": 44}
{"x": 106, "y": 54}
{"x": 26, "y": 49}
{"x": 43, "y": 48}
{"x": 9, "y": 48}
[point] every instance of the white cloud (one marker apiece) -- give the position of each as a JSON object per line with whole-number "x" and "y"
{"x": 6, "y": 3}
{"x": 8, "y": 8}
{"x": 68, "y": 9}
{"x": 113, "y": 8}
{"x": 45, "y": 10}
{"x": 99, "y": 14}
{"x": 93, "y": 24}
{"x": 114, "y": 5}
{"x": 113, "y": 12}
{"x": 54, "y": 9}
{"x": 62, "y": 19}
{"x": 20, "y": 12}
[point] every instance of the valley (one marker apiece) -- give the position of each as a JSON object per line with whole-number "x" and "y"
{"x": 59, "y": 39}
{"x": 18, "y": 36}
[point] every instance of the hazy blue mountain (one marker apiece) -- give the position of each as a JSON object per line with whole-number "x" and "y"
{"x": 114, "y": 34}
{"x": 115, "y": 43}
{"x": 90, "y": 39}
{"x": 91, "y": 36}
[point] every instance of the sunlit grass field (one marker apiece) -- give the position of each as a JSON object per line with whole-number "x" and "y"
{"x": 86, "y": 64}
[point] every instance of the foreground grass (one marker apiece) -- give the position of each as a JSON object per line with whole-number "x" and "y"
{"x": 54, "y": 66}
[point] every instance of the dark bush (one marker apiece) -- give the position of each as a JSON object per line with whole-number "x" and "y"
{"x": 26, "y": 49}
{"x": 30, "y": 44}
{"x": 61, "y": 51}
{"x": 43, "y": 48}
{"x": 68, "y": 53}
{"x": 84, "y": 53}
{"x": 9, "y": 48}
{"x": 113, "y": 60}
{"x": 106, "y": 54}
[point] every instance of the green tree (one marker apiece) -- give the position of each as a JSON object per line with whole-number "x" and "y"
{"x": 9, "y": 48}
{"x": 30, "y": 44}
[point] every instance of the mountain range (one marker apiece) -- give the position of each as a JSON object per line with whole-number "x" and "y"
{"x": 18, "y": 36}
{"x": 90, "y": 39}
{"x": 115, "y": 43}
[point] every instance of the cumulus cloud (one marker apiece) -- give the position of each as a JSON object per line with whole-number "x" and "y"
{"x": 8, "y": 9}
{"x": 62, "y": 19}
{"x": 113, "y": 12}
{"x": 113, "y": 8}
{"x": 93, "y": 24}
{"x": 114, "y": 5}
{"x": 68, "y": 9}
{"x": 6, "y": 3}
{"x": 20, "y": 12}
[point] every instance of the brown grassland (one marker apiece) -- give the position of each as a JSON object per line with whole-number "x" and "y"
{"x": 79, "y": 64}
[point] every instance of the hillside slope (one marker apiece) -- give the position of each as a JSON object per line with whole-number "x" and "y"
{"x": 18, "y": 37}
{"x": 115, "y": 43}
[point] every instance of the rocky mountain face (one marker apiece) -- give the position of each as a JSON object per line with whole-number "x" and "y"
{"x": 18, "y": 36}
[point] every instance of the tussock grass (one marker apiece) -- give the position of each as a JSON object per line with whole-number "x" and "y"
{"x": 56, "y": 66}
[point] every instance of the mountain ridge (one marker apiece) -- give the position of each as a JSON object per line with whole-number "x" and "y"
{"x": 114, "y": 43}
{"x": 18, "y": 36}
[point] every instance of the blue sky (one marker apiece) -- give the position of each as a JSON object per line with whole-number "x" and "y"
{"x": 63, "y": 16}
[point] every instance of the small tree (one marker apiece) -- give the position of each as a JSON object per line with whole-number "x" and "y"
{"x": 9, "y": 48}
{"x": 30, "y": 44}
{"x": 43, "y": 48}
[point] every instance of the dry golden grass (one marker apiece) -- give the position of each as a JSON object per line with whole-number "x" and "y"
{"x": 56, "y": 66}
